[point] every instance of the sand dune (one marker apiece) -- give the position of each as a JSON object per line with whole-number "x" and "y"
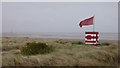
{"x": 65, "y": 54}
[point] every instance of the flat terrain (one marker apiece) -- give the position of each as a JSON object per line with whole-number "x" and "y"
{"x": 67, "y": 53}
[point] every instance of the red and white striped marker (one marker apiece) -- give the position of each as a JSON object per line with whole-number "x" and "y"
{"x": 91, "y": 37}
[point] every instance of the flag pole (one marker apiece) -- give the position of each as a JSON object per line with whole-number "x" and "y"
{"x": 93, "y": 22}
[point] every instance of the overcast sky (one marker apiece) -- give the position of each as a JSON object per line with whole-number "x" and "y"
{"x": 58, "y": 16}
{"x": 0, "y": 17}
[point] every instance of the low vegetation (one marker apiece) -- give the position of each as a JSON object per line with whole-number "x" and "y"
{"x": 36, "y": 48}
{"x": 104, "y": 44}
{"x": 78, "y": 42}
{"x": 51, "y": 52}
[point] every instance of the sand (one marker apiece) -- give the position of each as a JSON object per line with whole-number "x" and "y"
{"x": 65, "y": 54}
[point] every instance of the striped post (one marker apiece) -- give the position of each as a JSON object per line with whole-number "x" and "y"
{"x": 91, "y": 37}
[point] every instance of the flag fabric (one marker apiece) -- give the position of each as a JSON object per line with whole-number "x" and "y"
{"x": 88, "y": 21}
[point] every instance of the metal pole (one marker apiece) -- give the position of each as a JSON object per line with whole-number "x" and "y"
{"x": 93, "y": 22}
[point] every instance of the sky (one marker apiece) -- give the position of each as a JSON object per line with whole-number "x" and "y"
{"x": 60, "y": 0}
{"x": 0, "y": 18}
{"x": 58, "y": 16}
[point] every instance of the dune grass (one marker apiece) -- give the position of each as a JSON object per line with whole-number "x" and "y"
{"x": 34, "y": 48}
{"x": 65, "y": 53}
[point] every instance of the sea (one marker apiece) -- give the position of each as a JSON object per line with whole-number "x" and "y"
{"x": 61, "y": 35}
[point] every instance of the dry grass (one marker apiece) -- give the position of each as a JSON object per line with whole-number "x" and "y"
{"x": 66, "y": 54}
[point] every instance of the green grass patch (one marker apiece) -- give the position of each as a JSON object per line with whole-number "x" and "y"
{"x": 104, "y": 44}
{"x": 77, "y": 42}
{"x": 36, "y": 48}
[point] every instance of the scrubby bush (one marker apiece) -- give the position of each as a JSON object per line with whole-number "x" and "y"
{"x": 61, "y": 41}
{"x": 103, "y": 44}
{"x": 36, "y": 48}
{"x": 78, "y": 42}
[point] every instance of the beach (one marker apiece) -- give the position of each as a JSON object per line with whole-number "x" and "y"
{"x": 59, "y": 33}
{"x": 67, "y": 53}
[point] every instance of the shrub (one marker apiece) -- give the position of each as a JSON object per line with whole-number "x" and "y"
{"x": 103, "y": 44}
{"x": 61, "y": 41}
{"x": 79, "y": 42}
{"x": 36, "y": 48}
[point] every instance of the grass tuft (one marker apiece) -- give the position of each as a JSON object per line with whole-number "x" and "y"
{"x": 61, "y": 41}
{"x": 104, "y": 44}
{"x": 78, "y": 42}
{"x": 36, "y": 48}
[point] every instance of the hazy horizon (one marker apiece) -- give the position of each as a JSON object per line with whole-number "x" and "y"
{"x": 26, "y": 17}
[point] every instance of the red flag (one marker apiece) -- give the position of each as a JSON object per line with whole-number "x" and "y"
{"x": 88, "y": 21}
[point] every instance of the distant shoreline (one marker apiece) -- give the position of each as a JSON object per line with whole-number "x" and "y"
{"x": 82, "y": 40}
{"x": 102, "y": 36}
